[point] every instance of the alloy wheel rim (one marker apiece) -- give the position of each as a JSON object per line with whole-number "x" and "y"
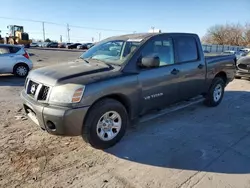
{"x": 109, "y": 125}
{"x": 217, "y": 92}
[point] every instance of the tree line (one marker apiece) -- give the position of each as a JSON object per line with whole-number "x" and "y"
{"x": 228, "y": 34}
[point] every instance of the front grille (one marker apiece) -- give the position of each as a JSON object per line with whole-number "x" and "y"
{"x": 243, "y": 66}
{"x": 43, "y": 93}
{"x": 32, "y": 87}
{"x": 37, "y": 91}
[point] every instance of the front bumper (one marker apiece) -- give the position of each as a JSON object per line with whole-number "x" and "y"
{"x": 242, "y": 73}
{"x": 55, "y": 120}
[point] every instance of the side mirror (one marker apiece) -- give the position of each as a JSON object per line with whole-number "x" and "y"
{"x": 150, "y": 62}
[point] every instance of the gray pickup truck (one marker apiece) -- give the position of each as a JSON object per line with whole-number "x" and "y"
{"x": 121, "y": 79}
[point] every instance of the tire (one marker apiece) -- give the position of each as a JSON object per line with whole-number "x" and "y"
{"x": 93, "y": 135}
{"x": 213, "y": 99}
{"x": 21, "y": 70}
{"x": 237, "y": 77}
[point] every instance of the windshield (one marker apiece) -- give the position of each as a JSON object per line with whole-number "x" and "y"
{"x": 114, "y": 51}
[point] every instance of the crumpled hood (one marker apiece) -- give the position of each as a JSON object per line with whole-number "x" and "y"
{"x": 244, "y": 60}
{"x": 51, "y": 75}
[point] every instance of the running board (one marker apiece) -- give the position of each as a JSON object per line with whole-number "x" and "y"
{"x": 172, "y": 108}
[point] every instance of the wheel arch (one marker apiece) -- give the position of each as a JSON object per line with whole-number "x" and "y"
{"x": 222, "y": 75}
{"x": 20, "y": 63}
{"x": 118, "y": 97}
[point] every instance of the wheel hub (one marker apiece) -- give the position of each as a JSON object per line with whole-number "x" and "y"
{"x": 21, "y": 70}
{"x": 107, "y": 124}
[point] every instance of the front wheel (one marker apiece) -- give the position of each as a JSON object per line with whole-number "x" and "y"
{"x": 215, "y": 93}
{"x": 106, "y": 124}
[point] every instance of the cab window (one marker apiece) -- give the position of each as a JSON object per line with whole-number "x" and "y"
{"x": 186, "y": 49}
{"x": 162, "y": 48}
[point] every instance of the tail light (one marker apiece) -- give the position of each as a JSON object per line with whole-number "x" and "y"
{"x": 26, "y": 55}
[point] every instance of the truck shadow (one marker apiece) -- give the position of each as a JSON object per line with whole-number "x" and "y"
{"x": 195, "y": 138}
{"x": 11, "y": 80}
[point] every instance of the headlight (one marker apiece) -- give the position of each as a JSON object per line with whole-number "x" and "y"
{"x": 68, "y": 93}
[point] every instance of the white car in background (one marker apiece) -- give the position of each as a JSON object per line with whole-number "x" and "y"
{"x": 14, "y": 59}
{"x": 246, "y": 50}
{"x": 34, "y": 44}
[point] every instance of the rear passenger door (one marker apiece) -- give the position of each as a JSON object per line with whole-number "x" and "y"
{"x": 6, "y": 60}
{"x": 191, "y": 67}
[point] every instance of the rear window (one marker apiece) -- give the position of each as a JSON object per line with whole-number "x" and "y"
{"x": 13, "y": 49}
{"x": 186, "y": 49}
{"x": 4, "y": 50}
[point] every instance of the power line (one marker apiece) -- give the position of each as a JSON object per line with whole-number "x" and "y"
{"x": 30, "y": 20}
{"x": 101, "y": 29}
{"x": 74, "y": 26}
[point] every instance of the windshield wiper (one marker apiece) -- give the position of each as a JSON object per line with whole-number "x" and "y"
{"x": 84, "y": 59}
{"x": 107, "y": 63}
{"x": 101, "y": 61}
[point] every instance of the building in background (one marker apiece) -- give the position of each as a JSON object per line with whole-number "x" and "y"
{"x": 154, "y": 30}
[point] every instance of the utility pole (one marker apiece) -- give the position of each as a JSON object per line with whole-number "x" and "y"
{"x": 61, "y": 38}
{"x": 68, "y": 29}
{"x": 43, "y": 32}
{"x": 153, "y": 28}
{"x": 99, "y": 37}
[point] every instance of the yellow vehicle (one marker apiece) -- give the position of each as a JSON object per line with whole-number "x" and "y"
{"x": 17, "y": 36}
{"x": 1, "y": 39}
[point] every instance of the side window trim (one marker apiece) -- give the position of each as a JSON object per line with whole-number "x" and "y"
{"x": 177, "y": 53}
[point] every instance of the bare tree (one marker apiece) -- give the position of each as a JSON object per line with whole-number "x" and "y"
{"x": 207, "y": 39}
{"x": 246, "y": 35}
{"x": 217, "y": 34}
{"x": 228, "y": 34}
{"x": 234, "y": 34}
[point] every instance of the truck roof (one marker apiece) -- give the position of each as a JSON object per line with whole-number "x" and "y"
{"x": 143, "y": 36}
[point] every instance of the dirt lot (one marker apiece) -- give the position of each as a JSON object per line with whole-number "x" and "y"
{"x": 193, "y": 147}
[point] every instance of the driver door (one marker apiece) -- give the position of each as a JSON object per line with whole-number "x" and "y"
{"x": 158, "y": 84}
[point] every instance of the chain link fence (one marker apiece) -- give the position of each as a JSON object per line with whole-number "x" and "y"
{"x": 213, "y": 48}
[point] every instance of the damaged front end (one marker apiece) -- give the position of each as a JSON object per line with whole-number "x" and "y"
{"x": 243, "y": 67}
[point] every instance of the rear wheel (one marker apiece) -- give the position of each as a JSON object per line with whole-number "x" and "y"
{"x": 21, "y": 70}
{"x": 215, "y": 93}
{"x": 106, "y": 124}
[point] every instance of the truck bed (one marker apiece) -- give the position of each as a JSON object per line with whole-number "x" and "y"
{"x": 218, "y": 57}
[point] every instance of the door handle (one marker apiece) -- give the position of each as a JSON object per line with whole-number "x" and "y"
{"x": 200, "y": 66}
{"x": 175, "y": 71}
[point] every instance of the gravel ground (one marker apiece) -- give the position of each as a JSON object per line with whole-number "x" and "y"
{"x": 192, "y": 147}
